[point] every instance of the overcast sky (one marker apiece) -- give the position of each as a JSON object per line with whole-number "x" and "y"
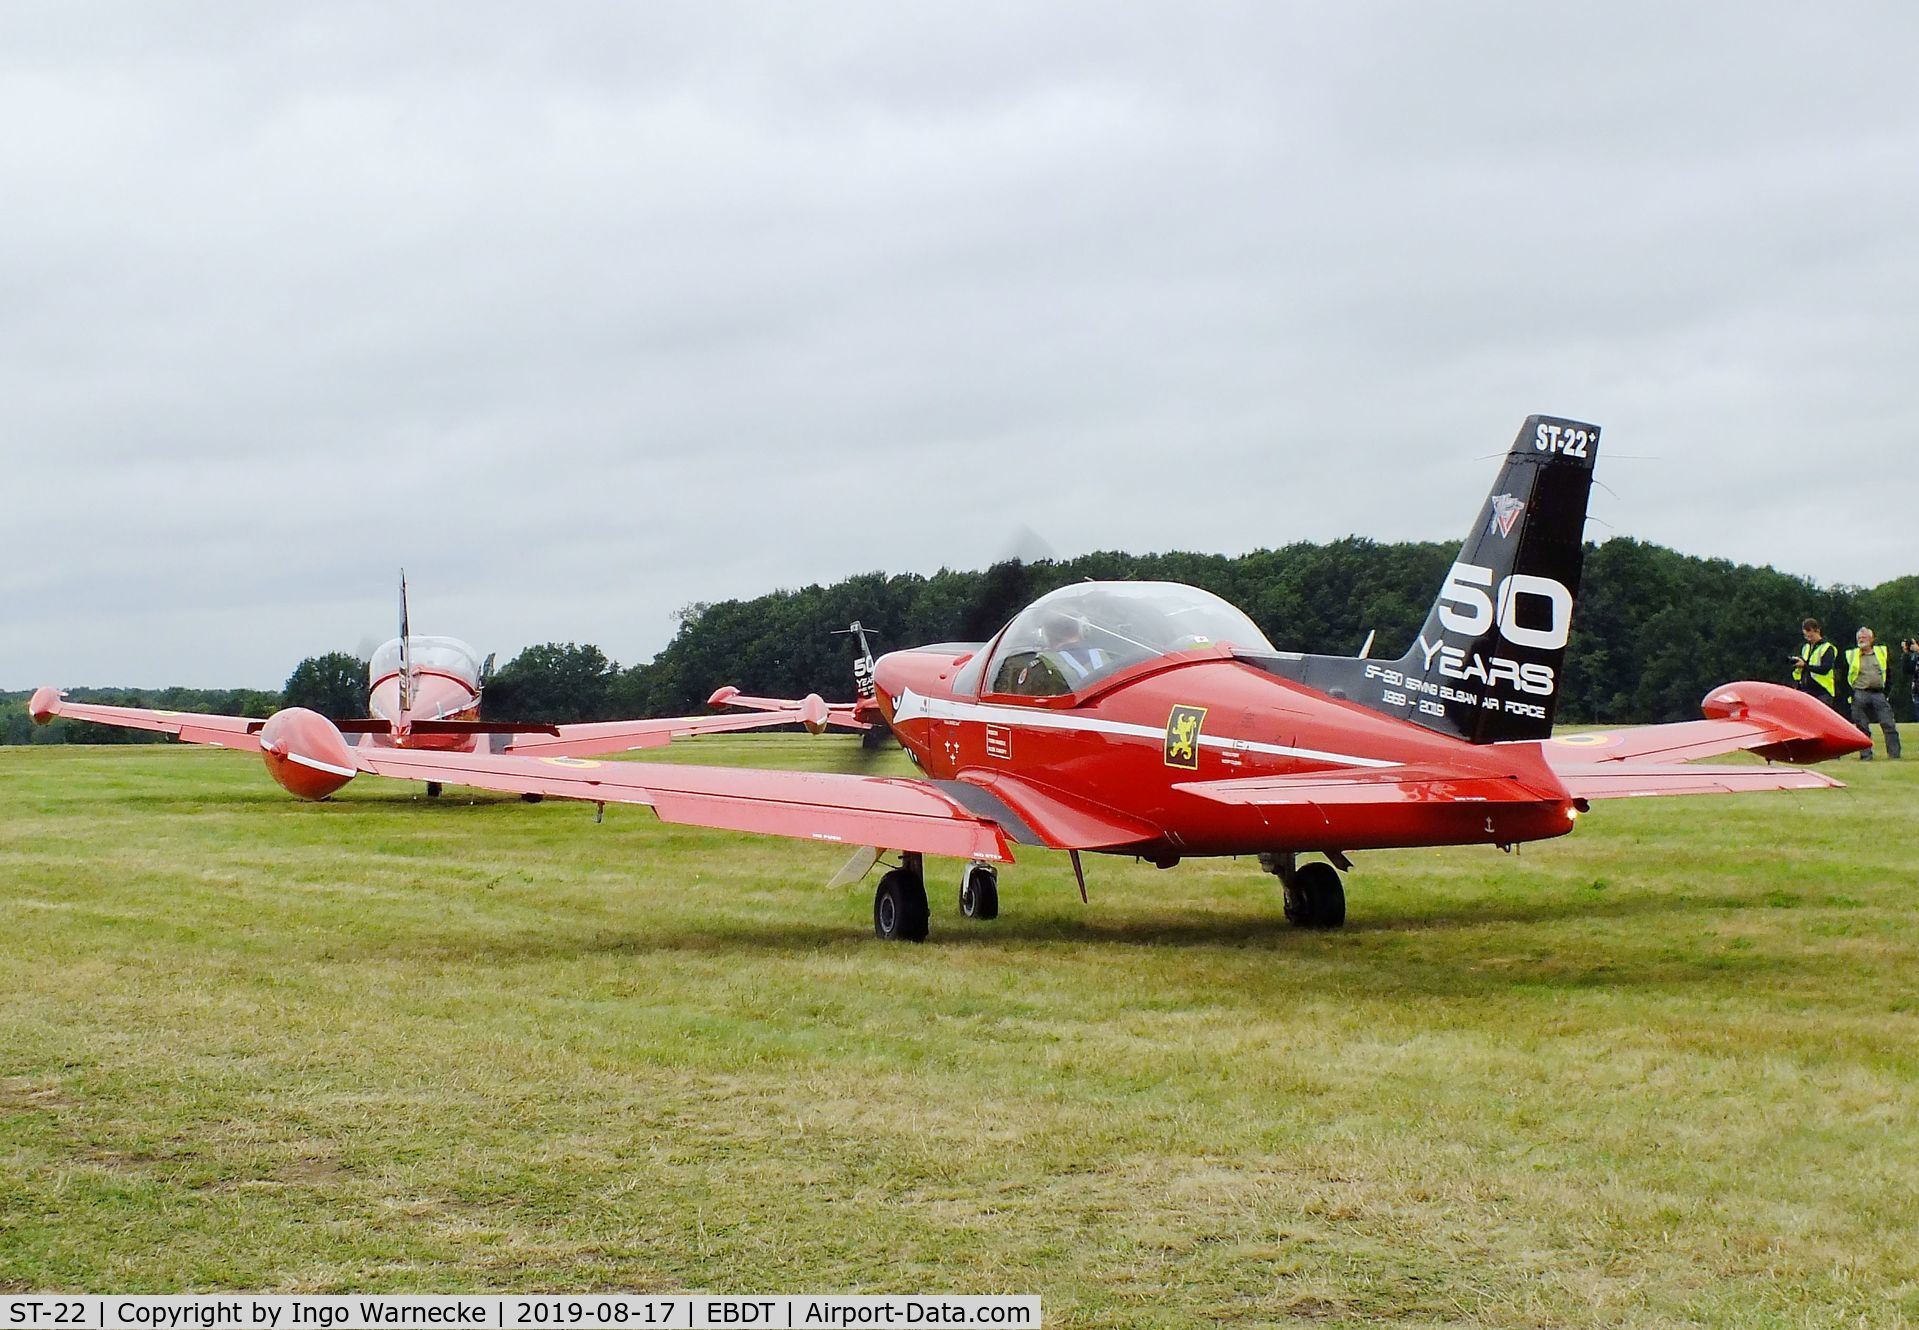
{"x": 585, "y": 312}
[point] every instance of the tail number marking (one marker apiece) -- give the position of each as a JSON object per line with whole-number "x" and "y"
{"x": 1466, "y": 608}
{"x": 1563, "y": 441}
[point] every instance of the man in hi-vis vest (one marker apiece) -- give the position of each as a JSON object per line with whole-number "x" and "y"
{"x": 1866, "y": 675}
{"x": 1815, "y": 669}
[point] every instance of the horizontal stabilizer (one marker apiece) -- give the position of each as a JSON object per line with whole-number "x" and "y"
{"x": 378, "y": 726}
{"x": 809, "y": 711}
{"x": 478, "y": 727}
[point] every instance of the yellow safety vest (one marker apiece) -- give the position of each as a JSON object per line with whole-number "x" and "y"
{"x": 1852, "y": 666}
{"x": 1809, "y": 653}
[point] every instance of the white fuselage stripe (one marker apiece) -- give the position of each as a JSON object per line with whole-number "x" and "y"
{"x": 911, "y": 706}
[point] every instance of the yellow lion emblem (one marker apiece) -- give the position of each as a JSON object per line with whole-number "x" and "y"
{"x": 1182, "y": 736}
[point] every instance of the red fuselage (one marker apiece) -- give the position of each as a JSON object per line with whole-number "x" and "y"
{"x": 1125, "y": 745}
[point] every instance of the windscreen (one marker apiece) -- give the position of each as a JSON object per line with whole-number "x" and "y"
{"x": 443, "y": 655}
{"x": 1080, "y": 634}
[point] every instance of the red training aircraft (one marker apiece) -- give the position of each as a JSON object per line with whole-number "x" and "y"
{"x": 1155, "y": 720}
{"x": 423, "y": 693}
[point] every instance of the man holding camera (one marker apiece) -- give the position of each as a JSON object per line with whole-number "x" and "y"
{"x": 1867, "y": 674}
{"x": 1815, "y": 668}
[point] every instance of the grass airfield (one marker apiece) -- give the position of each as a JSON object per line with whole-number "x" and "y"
{"x": 1663, "y": 1071}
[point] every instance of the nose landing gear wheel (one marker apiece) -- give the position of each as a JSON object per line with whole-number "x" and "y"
{"x": 979, "y": 892}
{"x": 1315, "y": 898}
{"x": 899, "y": 907}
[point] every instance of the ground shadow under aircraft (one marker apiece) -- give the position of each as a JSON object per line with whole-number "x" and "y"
{"x": 1480, "y": 956}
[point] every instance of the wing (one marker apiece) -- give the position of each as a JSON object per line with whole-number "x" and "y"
{"x": 1638, "y": 780}
{"x": 1033, "y": 814}
{"x": 619, "y": 736}
{"x": 1763, "y": 718}
{"x": 241, "y": 732}
{"x": 853, "y": 810}
{"x": 1680, "y": 742}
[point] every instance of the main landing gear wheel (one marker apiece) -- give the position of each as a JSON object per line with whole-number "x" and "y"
{"x": 1315, "y": 898}
{"x": 979, "y": 892}
{"x": 433, "y": 788}
{"x": 899, "y": 907}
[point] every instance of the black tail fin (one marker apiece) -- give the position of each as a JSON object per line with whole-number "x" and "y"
{"x": 863, "y": 665}
{"x": 1486, "y": 665}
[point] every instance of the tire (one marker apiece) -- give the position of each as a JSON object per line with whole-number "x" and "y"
{"x": 979, "y": 892}
{"x": 433, "y": 789}
{"x": 899, "y": 908}
{"x": 1322, "y": 899}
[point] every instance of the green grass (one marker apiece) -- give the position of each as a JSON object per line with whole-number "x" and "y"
{"x": 1660, "y": 1072}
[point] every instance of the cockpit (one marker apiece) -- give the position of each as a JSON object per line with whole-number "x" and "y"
{"x": 1080, "y": 634}
{"x": 440, "y": 655}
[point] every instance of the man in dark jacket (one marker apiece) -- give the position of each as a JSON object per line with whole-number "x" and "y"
{"x": 1909, "y": 652}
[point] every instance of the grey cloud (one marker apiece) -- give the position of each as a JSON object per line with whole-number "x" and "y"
{"x": 589, "y": 314}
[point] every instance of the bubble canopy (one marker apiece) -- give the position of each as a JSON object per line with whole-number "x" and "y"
{"x": 442, "y": 655}
{"x": 1080, "y": 634}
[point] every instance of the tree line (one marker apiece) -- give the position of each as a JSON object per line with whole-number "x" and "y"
{"x": 1653, "y": 632}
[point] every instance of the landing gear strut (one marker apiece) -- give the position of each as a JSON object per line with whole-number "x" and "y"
{"x": 979, "y": 892}
{"x": 899, "y": 903}
{"x": 1314, "y": 896}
